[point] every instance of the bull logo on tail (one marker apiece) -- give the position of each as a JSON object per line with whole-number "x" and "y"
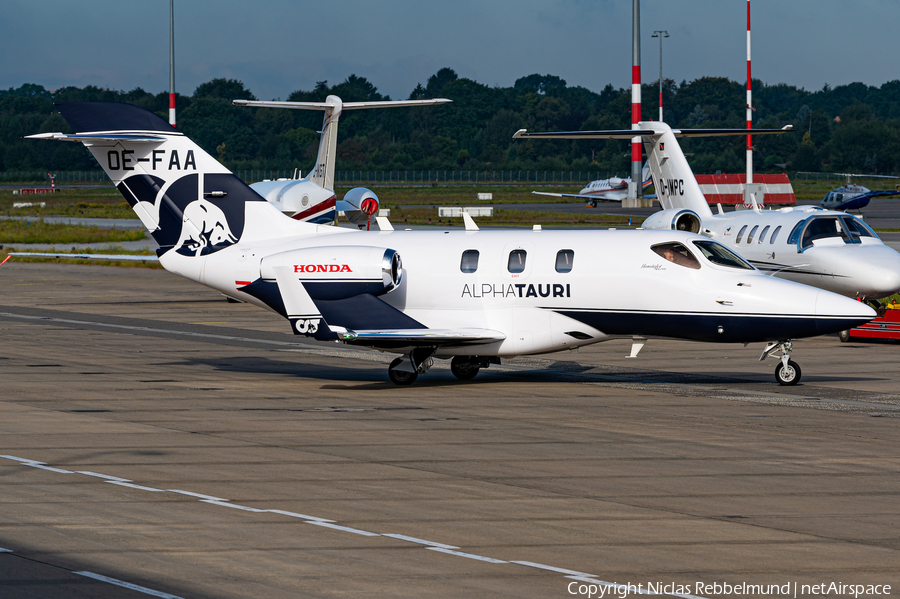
{"x": 204, "y": 229}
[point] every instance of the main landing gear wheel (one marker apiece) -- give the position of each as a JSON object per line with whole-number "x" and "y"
{"x": 787, "y": 374}
{"x": 844, "y": 336}
{"x": 464, "y": 368}
{"x": 401, "y": 377}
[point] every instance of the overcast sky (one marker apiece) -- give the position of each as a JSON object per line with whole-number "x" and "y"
{"x": 278, "y": 46}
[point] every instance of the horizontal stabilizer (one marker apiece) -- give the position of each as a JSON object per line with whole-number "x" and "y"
{"x": 629, "y": 133}
{"x": 345, "y": 105}
{"x": 93, "y": 137}
{"x": 117, "y": 257}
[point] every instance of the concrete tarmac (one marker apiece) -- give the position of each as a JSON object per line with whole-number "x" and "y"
{"x": 154, "y": 436}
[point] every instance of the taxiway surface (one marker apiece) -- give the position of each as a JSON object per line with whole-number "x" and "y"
{"x": 153, "y": 435}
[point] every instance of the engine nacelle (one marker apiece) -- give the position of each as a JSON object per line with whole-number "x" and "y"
{"x": 675, "y": 220}
{"x": 339, "y": 272}
{"x": 359, "y": 205}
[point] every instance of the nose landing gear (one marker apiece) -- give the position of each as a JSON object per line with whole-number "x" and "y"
{"x": 787, "y": 372}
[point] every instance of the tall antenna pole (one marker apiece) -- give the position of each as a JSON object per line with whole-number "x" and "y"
{"x": 660, "y": 35}
{"x": 172, "y": 62}
{"x": 636, "y": 190}
{"x": 749, "y": 105}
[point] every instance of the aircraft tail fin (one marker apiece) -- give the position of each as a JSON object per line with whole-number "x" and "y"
{"x": 673, "y": 178}
{"x": 186, "y": 199}
{"x": 322, "y": 173}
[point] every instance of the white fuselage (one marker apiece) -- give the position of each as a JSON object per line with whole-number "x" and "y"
{"x": 826, "y": 250}
{"x": 617, "y": 286}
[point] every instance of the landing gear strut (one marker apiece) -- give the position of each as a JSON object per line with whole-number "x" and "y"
{"x": 787, "y": 372}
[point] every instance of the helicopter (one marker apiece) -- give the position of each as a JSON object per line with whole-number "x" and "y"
{"x": 855, "y": 197}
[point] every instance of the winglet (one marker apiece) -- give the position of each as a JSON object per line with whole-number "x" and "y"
{"x": 383, "y": 223}
{"x": 470, "y": 224}
{"x": 520, "y": 133}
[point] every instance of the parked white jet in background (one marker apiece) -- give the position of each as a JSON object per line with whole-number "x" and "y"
{"x": 613, "y": 189}
{"x": 473, "y": 296}
{"x": 826, "y": 249}
{"x": 312, "y": 198}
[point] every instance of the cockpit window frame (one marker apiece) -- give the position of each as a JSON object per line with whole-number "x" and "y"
{"x": 845, "y": 236}
{"x": 742, "y": 263}
{"x": 681, "y": 255}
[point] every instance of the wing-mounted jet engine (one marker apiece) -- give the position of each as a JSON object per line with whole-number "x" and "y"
{"x": 312, "y": 198}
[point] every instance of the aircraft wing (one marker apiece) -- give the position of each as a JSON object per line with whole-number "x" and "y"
{"x": 418, "y": 337}
{"x": 117, "y": 257}
{"x": 575, "y": 195}
{"x": 345, "y": 105}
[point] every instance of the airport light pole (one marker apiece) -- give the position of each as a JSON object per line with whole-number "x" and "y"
{"x": 660, "y": 35}
{"x": 635, "y": 190}
{"x": 172, "y": 62}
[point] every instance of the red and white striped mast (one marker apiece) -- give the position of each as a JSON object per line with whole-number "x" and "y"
{"x": 636, "y": 190}
{"x": 172, "y": 62}
{"x": 749, "y": 105}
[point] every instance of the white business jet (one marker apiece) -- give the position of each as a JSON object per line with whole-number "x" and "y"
{"x": 312, "y": 198}
{"x": 467, "y": 295}
{"x": 823, "y": 248}
{"x": 614, "y": 189}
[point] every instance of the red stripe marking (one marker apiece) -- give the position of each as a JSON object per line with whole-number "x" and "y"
{"x": 241, "y": 283}
{"x": 320, "y": 207}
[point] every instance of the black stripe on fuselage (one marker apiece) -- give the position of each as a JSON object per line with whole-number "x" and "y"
{"x": 698, "y": 326}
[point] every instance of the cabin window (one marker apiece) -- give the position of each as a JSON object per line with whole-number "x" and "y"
{"x": 823, "y": 227}
{"x": 752, "y": 233}
{"x": 469, "y": 262}
{"x": 676, "y": 254}
{"x": 762, "y": 236}
{"x": 721, "y": 255}
{"x": 740, "y": 234}
{"x": 516, "y": 261}
{"x": 858, "y": 228}
{"x": 775, "y": 234}
{"x": 564, "y": 260}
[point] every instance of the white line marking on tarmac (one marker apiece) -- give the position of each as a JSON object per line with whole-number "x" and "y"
{"x": 51, "y": 469}
{"x": 134, "y": 486}
{"x": 419, "y": 541}
{"x": 355, "y": 531}
{"x": 234, "y": 505}
{"x": 106, "y": 476}
{"x": 296, "y": 515}
{"x": 200, "y": 495}
{"x": 23, "y": 460}
{"x": 35, "y": 464}
{"x": 128, "y": 585}
{"x": 551, "y": 568}
{"x": 430, "y": 545}
{"x": 482, "y": 558}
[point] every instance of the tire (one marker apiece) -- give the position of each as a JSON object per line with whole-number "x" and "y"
{"x": 401, "y": 377}
{"x": 789, "y": 375}
{"x": 844, "y": 336}
{"x": 463, "y": 368}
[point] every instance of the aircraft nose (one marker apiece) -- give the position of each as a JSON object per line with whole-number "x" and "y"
{"x": 838, "y": 313}
{"x": 881, "y": 273}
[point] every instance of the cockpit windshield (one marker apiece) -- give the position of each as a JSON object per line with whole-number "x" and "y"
{"x": 821, "y": 227}
{"x": 721, "y": 255}
{"x": 858, "y": 228}
{"x": 676, "y": 254}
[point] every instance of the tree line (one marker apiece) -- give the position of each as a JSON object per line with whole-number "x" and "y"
{"x": 852, "y": 127}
